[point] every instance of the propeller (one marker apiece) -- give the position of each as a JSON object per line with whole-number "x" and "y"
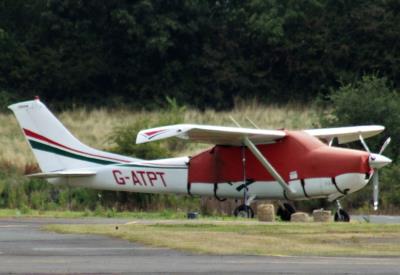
{"x": 376, "y": 161}
{"x": 385, "y": 144}
{"x": 375, "y": 191}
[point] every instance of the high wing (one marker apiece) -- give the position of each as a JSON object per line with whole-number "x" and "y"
{"x": 222, "y": 136}
{"x": 345, "y": 134}
{"x": 63, "y": 174}
{"x": 210, "y": 134}
{"x": 251, "y": 137}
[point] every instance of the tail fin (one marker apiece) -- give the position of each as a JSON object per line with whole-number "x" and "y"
{"x": 54, "y": 147}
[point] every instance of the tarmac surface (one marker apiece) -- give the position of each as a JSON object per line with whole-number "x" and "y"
{"x": 25, "y": 248}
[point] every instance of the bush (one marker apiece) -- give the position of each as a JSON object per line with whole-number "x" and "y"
{"x": 124, "y": 137}
{"x": 390, "y": 187}
{"x": 6, "y": 99}
{"x": 39, "y": 200}
{"x": 371, "y": 100}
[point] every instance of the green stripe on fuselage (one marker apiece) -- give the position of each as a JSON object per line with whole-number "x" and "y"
{"x": 57, "y": 151}
{"x": 50, "y": 149}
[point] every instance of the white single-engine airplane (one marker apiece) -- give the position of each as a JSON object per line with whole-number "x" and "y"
{"x": 244, "y": 163}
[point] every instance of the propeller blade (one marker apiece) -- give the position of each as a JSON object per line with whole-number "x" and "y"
{"x": 375, "y": 182}
{"x": 385, "y": 144}
{"x": 364, "y": 143}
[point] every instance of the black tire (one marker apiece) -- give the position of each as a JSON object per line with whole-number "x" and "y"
{"x": 289, "y": 207}
{"x": 244, "y": 211}
{"x": 285, "y": 212}
{"x": 343, "y": 217}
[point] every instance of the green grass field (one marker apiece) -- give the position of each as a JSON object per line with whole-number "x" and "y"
{"x": 255, "y": 238}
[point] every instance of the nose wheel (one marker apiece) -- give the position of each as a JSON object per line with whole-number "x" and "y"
{"x": 341, "y": 215}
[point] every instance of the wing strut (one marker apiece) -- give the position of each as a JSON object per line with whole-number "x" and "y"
{"x": 268, "y": 166}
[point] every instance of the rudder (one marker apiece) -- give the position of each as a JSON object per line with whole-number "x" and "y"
{"x": 54, "y": 147}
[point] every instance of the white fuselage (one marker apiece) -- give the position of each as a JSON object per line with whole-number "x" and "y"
{"x": 171, "y": 176}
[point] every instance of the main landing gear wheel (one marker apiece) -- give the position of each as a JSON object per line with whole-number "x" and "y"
{"x": 285, "y": 211}
{"x": 342, "y": 216}
{"x": 244, "y": 211}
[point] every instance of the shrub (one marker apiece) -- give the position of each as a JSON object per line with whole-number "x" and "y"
{"x": 39, "y": 200}
{"x": 371, "y": 100}
{"x": 124, "y": 138}
{"x": 389, "y": 187}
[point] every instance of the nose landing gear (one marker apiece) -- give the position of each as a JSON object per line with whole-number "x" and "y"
{"x": 341, "y": 215}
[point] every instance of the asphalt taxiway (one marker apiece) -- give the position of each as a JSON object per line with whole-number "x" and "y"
{"x": 25, "y": 248}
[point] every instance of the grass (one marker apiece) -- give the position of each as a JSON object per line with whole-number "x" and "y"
{"x": 28, "y": 213}
{"x": 95, "y": 126}
{"x": 254, "y": 238}
{"x": 166, "y": 214}
{"x": 137, "y": 215}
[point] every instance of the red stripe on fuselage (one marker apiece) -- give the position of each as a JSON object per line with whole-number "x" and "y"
{"x": 42, "y": 138}
{"x": 296, "y": 152}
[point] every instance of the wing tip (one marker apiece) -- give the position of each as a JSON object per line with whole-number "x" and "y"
{"x": 140, "y": 138}
{"x": 380, "y": 128}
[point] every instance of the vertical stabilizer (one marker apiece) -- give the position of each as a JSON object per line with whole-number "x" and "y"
{"x": 54, "y": 147}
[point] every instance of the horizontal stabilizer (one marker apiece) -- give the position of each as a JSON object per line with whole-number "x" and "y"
{"x": 220, "y": 135}
{"x": 346, "y": 134}
{"x": 63, "y": 174}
